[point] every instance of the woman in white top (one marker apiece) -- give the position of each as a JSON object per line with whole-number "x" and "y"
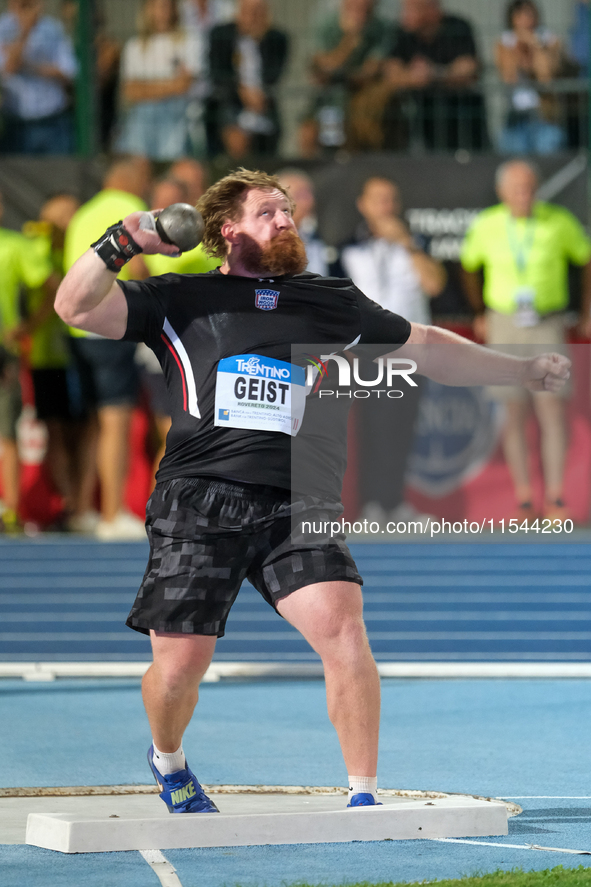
{"x": 528, "y": 56}
{"x": 158, "y": 71}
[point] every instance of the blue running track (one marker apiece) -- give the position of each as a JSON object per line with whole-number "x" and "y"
{"x": 503, "y": 738}
{"x": 64, "y": 599}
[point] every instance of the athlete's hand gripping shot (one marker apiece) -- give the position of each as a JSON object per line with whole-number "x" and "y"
{"x": 221, "y": 510}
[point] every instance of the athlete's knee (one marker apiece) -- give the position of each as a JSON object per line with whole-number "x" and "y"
{"x": 343, "y": 638}
{"x": 182, "y": 660}
{"x": 173, "y": 679}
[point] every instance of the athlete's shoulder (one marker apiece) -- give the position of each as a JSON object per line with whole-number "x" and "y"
{"x": 307, "y": 278}
{"x": 181, "y": 280}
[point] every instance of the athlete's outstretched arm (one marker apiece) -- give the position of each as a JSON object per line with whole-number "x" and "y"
{"x": 89, "y": 297}
{"x": 452, "y": 360}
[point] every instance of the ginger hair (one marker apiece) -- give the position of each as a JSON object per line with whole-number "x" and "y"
{"x": 225, "y": 199}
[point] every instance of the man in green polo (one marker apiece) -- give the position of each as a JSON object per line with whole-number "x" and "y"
{"x": 521, "y": 249}
{"x": 106, "y": 369}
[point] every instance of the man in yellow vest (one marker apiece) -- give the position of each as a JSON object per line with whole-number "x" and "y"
{"x": 106, "y": 369}
{"x": 524, "y": 248}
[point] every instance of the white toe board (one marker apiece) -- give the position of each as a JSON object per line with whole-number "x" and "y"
{"x": 262, "y": 820}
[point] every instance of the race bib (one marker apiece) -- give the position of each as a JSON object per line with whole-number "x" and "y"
{"x": 259, "y": 393}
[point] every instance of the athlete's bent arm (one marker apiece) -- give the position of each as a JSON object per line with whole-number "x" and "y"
{"x": 452, "y": 360}
{"x": 89, "y": 297}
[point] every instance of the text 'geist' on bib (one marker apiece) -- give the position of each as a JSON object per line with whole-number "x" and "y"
{"x": 259, "y": 393}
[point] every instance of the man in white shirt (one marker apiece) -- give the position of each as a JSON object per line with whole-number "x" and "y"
{"x": 386, "y": 262}
{"x": 389, "y": 266}
{"x": 247, "y": 58}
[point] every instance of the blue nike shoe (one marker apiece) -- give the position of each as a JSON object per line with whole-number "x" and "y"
{"x": 180, "y": 791}
{"x": 364, "y": 799}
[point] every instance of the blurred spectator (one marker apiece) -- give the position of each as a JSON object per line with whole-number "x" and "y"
{"x": 106, "y": 369}
{"x": 385, "y": 260}
{"x": 198, "y": 17}
{"x": 301, "y": 188}
{"x": 158, "y": 69}
{"x": 48, "y": 354}
{"x": 196, "y": 261}
{"x": 528, "y": 55}
{"x": 389, "y": 266}
{"x": 247, "y": 57}
{"x": 38, "y": 65}
{"x": 166, "y": 191}
{"x": 203, "y": 15}
{"x": 69, "y": 16}
{"x": 21, "y": 267}
{"x": 432, "y": 70}
{"x": 524, "y": 247}
{"x": 193, "y": 176}
{"x": 348, "y": 108}
{"x": 579, "y": 37}
{"x": 574, "y": 105}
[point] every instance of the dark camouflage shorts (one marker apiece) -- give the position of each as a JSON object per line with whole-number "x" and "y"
{"x": 207, "y": 536}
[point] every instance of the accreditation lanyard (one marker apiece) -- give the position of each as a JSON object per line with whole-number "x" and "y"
{"x": 521, "y": 250}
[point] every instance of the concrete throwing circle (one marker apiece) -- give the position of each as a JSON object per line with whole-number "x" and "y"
{"x": 106, "y": 790}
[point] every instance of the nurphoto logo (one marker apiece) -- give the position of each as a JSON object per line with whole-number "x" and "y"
{"x": 388, "y": 371}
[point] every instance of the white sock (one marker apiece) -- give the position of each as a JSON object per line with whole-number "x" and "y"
{"x": 169, "y": 763}
{"x": 366, "y": 784}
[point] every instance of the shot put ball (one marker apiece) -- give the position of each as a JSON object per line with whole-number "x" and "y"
{"x": 181, "y": 224}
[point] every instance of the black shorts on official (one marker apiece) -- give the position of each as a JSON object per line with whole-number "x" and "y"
{"x": 52, "y": 395}
{"x": 207, "y": 536}
{"x": 106, "y": 373}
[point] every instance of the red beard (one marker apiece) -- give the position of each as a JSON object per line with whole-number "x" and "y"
{"x": 285, "y": 254}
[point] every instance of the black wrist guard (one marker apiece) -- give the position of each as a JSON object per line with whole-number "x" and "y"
{"x": 116, "y": 247}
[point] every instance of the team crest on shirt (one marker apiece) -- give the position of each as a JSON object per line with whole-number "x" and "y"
{"x": 266, "y": 300}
